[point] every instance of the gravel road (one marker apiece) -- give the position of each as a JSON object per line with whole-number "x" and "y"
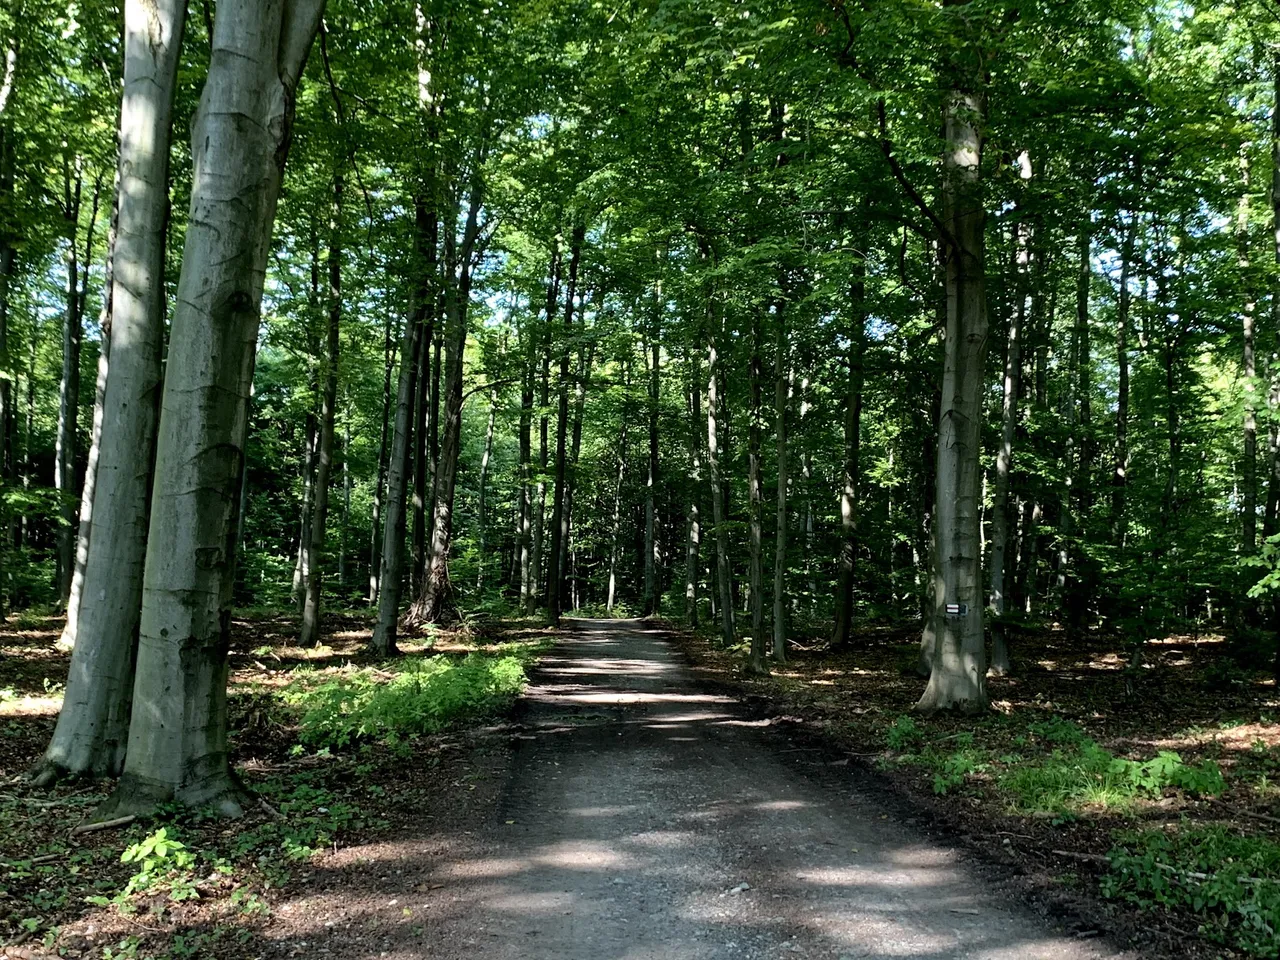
{"x": 646, "y": 819}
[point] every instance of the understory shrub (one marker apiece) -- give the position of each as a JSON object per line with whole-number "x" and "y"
{"x": 1231, "y": 882}
{"x": 423, "y": 695}
{"x": 1084, "y": 774}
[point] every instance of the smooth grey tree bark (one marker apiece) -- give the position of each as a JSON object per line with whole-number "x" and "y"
{"x": 482, "y": 519}
{"x": 93, "y": 725}
{"x": 842, "y": 630}
{"x": 375, "y": 525}
{"x": 611, "y": 597}
{"x": 957, "y": 677}
{"x": 544, "y": 405}
{"x": 177, "y": 749}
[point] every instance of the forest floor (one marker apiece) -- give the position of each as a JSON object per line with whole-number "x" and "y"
{"x": 1149, "y": 808}
{"x": 632, "y": 793}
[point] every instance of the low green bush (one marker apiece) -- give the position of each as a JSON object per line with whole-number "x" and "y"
{"x": 1230, "y": 881}
{"x": 1084, "y": 774}
{"x": 422, "y": 695}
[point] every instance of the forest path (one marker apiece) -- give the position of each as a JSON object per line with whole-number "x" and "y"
{"x": 639, "y": 805}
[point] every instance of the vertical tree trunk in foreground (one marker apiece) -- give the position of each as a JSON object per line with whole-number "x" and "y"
{"x": 240, "y": 136}
{"x": 1120, "y": 471}
{"x": 524, "y": 521}
{"x": 310, "y": 633}
{"x": 957, "y": 676}
{"x": 611, "y": 597}
{"x": 1248, "y": 370}
{"x": 93, "y": 726}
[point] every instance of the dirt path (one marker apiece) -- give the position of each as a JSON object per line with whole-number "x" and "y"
{"x": 644, "y": 818}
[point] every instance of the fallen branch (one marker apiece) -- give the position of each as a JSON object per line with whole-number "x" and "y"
{"x": 102, "y": 825}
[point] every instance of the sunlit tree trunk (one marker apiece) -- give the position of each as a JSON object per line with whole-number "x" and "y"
{"x": 93, "y": 725}
{"x": 310, "y": 633}
{"x": 957, "y": 678}
{"x": 240, "y": 136}
{"x": 611, "y": 597}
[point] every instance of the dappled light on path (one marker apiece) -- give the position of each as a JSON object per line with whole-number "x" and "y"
{"x": 646, "y": 819}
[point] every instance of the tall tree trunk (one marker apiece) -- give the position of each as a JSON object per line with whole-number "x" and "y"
{"x": 436, "y": 603}
{"x": 1000, "y": 511}
{"x": 240, "y": 136}
{"x": 724, "y": 583}
{"x": 957, "y": 678}
{"x": 310, "y": 633}
{"x": 652, "y": 549}
{"x": 559, "y": 529}
{"x": 693, "y": 540}
{"x": 781, "y": 401}
{"x": 1079, "y": 593}
{"x": 93, "y": 726}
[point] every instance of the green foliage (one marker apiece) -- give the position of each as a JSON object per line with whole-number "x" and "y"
{"x": 422, "y": 695}
{"x": 904, "y": 733}
{"x": 1080, "y": 774}
{"x": 1231, "y": 882}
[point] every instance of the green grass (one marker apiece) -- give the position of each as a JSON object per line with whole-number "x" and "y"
{"x": 411, "y": 697}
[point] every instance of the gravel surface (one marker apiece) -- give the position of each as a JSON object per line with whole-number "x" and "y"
{"x": 645, "y": 818}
